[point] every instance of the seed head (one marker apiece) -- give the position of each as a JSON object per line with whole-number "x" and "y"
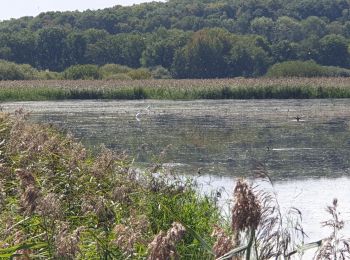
{"x": 163, "y": 245}
{"x": 246, "y": 212}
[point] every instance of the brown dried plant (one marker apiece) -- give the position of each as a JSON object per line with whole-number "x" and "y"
{"x": 49, "y": 206}
{"x": 135, "y": 232}
{"x": 29, "y": 200}
{"x": 224, "y": 242}
{"x": 246, "y": 212}
{"x": 66, "y": 243}
{"x": 104, "y": 213}
{"x": 335, "y": 246}
{"x": 103, "y": 163}
{"x": 163, "y": 246}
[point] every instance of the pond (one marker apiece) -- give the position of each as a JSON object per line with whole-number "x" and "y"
{"x": 303, "y": 144}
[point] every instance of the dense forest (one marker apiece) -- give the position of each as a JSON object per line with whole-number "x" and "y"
{"x": 185, "y": 38}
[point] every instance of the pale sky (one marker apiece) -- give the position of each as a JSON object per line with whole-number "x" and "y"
{"x": 18, "y": 8}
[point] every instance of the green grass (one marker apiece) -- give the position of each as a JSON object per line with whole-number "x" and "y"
{"x": 262, "y": 88}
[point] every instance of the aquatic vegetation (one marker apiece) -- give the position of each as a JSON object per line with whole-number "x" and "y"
{"x": 60, "y": 202}
{"x": 236, "y": 88}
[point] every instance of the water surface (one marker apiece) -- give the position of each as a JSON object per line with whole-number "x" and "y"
{"x": 217, "y": 141}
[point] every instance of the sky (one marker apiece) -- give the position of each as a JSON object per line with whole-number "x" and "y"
{"x": 19, "y": 8}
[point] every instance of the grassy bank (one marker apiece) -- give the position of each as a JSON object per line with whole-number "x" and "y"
{"x": 57, "y": 201}
{"x": 262, "y": 88}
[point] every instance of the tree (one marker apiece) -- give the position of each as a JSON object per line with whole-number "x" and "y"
{"x": 204, "y": 56}
{"x": 314, "y": 26}
{"x": 76, "y": 48}
{"x": 333, "y": 51}
{"x": 284, "y": 50}
{"x": 161, "y": 47}
{"x": 51, "y": 48}
{"x": 263, "y": 26}
{"x": 288, "y": 29}
{"x": 248, "y": 58}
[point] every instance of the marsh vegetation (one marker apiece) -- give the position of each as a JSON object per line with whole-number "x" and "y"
{"x": 58, "y": 201}
{"x": 238, "y": 88}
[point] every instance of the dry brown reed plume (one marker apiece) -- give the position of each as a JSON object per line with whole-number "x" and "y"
{"x": 66, "y": 243}
{"x": 49, "y": 206}
{"x": 258, "y": 224}
{"x": 246, "y": 212}
{"x": 121, "y": 194}
{"x": 132, "y": 233}
{"x": 103, "y": 163}
{"x": 163, "y": 246}
{"x": 223, "y": 243}
{"x": 105, "y": 215}
{"x": 335, "y": 246}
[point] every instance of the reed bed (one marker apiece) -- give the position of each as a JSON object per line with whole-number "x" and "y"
{"x": 58, "y": 201}
{"x": 237, "y": 88}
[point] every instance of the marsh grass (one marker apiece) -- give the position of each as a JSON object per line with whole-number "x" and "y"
{"x": 58, "y": 201}
{"x": 239, "y": 88}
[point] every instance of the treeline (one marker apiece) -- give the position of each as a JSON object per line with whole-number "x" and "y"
{"x": 187, "y": 39}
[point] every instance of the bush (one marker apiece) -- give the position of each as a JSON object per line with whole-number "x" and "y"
{"x": 305, "y": 69}
{"x": 87, "y": 71}
{"x": 109, "y": 70}
{"x": 13, "y": 71}
{"x": 141, "y": 73}
{"x": 160, "y": 72}
{"x": 47, "y": 75}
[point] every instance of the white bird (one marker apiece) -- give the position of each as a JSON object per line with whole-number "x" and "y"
{"x": 138, "y": 115}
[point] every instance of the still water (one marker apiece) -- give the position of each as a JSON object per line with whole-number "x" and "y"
{"x": 303, "y": 144}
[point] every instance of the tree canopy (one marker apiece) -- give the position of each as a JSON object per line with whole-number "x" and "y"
{"x": 188, "y": 38}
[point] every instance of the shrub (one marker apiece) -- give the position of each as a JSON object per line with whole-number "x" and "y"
{"x": 13, "y": 71}
{"x": 305, "y": 69}
{"x": 141, "y": 73}
{"x": 46, "y": 74}
{"x": 109, "y": 70}
{"x": 86, "y": 71}
{"x": 160, "y": 72}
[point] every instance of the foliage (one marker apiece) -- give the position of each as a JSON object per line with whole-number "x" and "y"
{"x": 305, "y": 69}
{"x": 141, "y": 73}
{"x": 82, "y": 72}
{"x": 174, "y": 34}
{"x": 12, "y": 71}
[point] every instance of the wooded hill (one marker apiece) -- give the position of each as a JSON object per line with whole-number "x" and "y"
{"x": 189, "y": 38}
